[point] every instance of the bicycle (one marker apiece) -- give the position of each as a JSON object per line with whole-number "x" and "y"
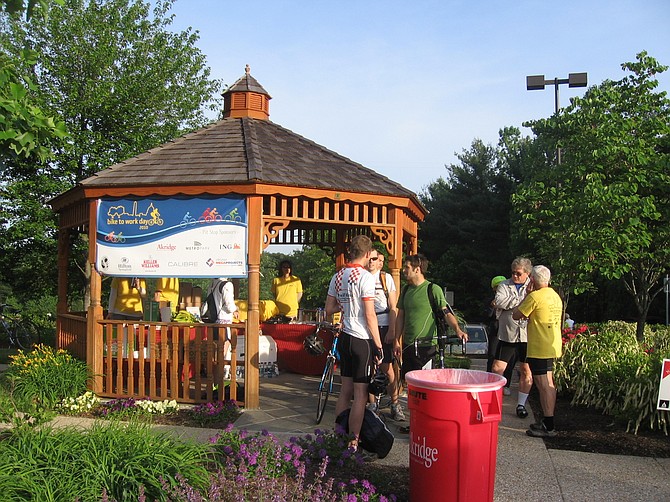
{"x": 14, "y": 327}
{"x": 326, "y": 384}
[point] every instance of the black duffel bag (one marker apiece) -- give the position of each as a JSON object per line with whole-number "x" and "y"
{"x": 374, "y": 437}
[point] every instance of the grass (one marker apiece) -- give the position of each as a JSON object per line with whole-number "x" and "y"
{"x": 112, "y": 458}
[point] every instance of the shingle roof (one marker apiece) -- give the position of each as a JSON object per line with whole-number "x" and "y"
{"x": 247, "y": 83}
{"x": 243, "y": 150}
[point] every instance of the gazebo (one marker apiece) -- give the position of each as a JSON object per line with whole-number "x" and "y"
{"x": 293, "y": 192}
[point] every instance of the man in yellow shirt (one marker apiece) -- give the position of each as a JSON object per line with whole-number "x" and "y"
{"x": 167, "y": 290}
{"x": 287, "y": 290}
{"x": 544, "y": 310}
{"x": 125, "y": 299}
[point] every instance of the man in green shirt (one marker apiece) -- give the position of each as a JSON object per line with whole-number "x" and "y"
{"x": 416, "y": 331}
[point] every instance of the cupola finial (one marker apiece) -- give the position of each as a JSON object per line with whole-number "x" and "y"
{"x": 247, "y": 69}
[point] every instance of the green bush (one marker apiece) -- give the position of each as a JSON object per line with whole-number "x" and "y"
{"x": 121, "y": 460}
{"x": 612, "y": 371}
{"x": 45, "y": 376}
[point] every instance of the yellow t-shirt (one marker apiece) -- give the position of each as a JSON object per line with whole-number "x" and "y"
{"x": 544, "y": 310}
{"x": 128, "y": 299}
{"x": 169, "y": 288}
{"x": 286, "y": 294}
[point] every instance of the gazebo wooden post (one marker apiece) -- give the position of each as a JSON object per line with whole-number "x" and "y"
{"x": 93, "y": 327}
{"x": 251, "y": 357}
{"x": 340, "y": 248}
{"x": 395, "y": 263}
{"x": 63, "y": 259}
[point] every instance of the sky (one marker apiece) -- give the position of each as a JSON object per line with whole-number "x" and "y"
{"x": 403, "y": 87}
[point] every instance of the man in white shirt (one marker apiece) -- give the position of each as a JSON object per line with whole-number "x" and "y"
{"x": 352, "y": 291}
{"x": 386, "y": 298}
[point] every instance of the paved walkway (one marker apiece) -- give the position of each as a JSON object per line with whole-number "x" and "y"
{"x": 526, "y": 469}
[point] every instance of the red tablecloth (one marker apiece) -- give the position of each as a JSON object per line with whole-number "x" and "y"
{"x": 291, "y": 355}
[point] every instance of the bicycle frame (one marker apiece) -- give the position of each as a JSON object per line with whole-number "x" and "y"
{"x": 326, "y": 383}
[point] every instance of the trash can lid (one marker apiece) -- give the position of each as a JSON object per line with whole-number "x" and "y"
{"x": 455, "y": 380}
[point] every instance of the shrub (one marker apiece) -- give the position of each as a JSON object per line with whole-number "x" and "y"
{"x": 84, "y": 403}
{"x": 44, "y": 377}
{"x": 612, "y": 371}
{"x": 259, "y": 467}
{"x": 124, "y": 408}
{"x": 219, "y": 411}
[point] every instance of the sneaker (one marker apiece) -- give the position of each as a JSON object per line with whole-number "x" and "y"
{"x": 366, "y": 456}
{"x": 397, "y": 413}
{"x": 404, "y": 430}
{"x": 521, "y": 411}
{"x": 540, "y": 431}
{"x": 506, "y": 391}
{"x": 373, "y": 408}
{"x": 384, "y": 402}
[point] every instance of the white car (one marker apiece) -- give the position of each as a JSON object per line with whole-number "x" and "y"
{"x": 478, "y": 340}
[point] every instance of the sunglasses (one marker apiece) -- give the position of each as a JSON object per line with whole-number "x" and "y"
{"x": 375, "y": 258}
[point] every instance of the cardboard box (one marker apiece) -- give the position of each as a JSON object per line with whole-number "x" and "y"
{"x": 267, "y": 349}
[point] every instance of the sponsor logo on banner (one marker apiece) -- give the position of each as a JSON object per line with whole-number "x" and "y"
{"x": 125, "y": 266}
{"x": 150, "y": 264}
{"x": 197, "y": 246}
{"x": 422, "y": 452}
{"x": 183, "y": 264}
{"x": 166, "y": 247}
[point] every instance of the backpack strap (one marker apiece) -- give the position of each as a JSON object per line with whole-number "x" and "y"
{"x": 382, "y": 279}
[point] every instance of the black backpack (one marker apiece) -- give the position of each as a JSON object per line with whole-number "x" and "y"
{"x": 438, "y": 313}
{"x": 375, "y": 436}
{"x": 211, "y": 314}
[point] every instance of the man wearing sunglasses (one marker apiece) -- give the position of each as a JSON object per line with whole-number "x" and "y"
{"x": 385, "y": 308}
{"x": 513, "y": 333}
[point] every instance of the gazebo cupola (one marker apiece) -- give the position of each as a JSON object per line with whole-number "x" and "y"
{"x": 246, "y": 98}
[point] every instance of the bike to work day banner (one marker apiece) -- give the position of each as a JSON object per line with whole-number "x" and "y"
{"x": 172, "y": 237}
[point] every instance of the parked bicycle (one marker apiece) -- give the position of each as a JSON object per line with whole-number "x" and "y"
{"x": 314, "y": 345}
{"x": 15, "y": 328}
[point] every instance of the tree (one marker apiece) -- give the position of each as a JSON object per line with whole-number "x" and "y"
{"x": 467, "y": 231}
{"x": 24, "y": 128}
{"x": 607, "y": 204}
{"x": 30, "y": 7}
{"x": 120, "y": 81}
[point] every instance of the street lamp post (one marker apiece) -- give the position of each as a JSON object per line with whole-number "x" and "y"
{"x": 537, "y": 82}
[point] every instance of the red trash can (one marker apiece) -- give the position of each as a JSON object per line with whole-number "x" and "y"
{"x": 454, "y": 415}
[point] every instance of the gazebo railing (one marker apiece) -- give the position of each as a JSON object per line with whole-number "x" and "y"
{"x": 72, "y": 334}
{"x": 188, "y": 363}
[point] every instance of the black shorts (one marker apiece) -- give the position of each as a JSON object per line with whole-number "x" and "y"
{"x": 355, "y": 358}
{"x": 386, "y": 347}
{"x": 414, "y": 358}
{"x": 506, "y": 350}
{"x": 540, "y": 366}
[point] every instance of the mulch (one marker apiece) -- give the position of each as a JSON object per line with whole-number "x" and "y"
{"x": 584, "y": 428}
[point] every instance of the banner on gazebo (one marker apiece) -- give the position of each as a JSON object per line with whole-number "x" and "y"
{"x": 172, "y": 236}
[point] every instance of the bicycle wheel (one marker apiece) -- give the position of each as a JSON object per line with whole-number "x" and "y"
{"x": 325, "y": 387}
{"x": 21, "y": 336}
